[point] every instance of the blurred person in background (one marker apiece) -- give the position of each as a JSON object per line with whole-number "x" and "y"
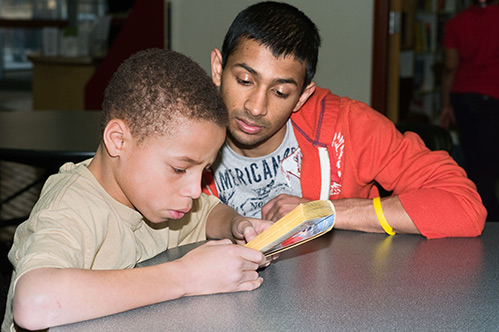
{"x": 471, "y": 94}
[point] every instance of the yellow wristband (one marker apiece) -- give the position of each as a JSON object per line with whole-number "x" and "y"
{"x": 381, "y": 216}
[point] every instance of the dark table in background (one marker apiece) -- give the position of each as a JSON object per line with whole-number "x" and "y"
{"x": 344, "y": 281}
{"x": 47, "y": 139}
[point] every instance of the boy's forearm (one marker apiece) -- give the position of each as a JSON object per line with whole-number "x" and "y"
{"x": 219, "y": 223}
{"x": 48, "y": 297}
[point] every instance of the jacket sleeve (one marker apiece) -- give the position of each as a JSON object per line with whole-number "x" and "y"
{"x": 434, "y": 190}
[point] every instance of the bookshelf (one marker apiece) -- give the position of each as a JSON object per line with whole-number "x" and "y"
{"x": 422, "y": 56}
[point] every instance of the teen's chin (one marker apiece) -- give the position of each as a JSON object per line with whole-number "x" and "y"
{"x": 245, "y": 140}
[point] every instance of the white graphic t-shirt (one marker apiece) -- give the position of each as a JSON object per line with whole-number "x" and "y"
{"x": 247, "y": 184}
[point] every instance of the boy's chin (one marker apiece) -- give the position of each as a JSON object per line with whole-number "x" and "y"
{"x": 157, "y": 222}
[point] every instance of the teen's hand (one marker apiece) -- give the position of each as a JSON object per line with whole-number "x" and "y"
{"x": 220, "y": 267}
{"x": 281, "y": 205}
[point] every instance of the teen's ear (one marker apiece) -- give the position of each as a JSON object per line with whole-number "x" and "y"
{"x": 115, "y": 137}
{"x": 309, "y": 90}
{"x": 216, "y": 66}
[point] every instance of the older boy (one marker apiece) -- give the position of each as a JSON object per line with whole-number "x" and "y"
{"x": 163, "y": 123}
{"x": 290, "y": 141}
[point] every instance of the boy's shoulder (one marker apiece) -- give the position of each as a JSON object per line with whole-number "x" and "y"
{"x": 73, "y": 202}
{"x": 75, "y": 191}
{"x": 73, "y": 181}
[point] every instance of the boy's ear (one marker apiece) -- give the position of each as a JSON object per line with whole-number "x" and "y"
{"x": 115, "y": 137}
{"x": 216, "y": 66}
{"x": 309, "y": 90}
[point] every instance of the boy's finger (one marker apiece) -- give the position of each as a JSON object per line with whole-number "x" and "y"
{"x": 249, "y": 233}
{"x": 218, "y": 242}
{"x": 250, "y": 285}
{"x": 251, "y": 255}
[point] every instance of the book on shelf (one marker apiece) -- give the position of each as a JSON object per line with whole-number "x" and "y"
{"x": 304, "y": 223}
{"x": 424, "y": 75}
{"x": 424, "y": 34}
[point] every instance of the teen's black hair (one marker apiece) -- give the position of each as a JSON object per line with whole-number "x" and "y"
{"x": 284, "y": 29}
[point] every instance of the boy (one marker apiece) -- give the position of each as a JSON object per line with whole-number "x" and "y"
{"x": 290, "y": 141}
{"x": 163, "y": 123}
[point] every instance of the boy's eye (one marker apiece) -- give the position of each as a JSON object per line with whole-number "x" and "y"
{"x": 179, "y": 170}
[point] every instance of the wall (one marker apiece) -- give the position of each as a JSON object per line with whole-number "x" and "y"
{"x": 345, "y": 59}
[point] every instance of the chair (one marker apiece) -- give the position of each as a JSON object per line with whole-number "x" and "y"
{"x": 435, "y": 137}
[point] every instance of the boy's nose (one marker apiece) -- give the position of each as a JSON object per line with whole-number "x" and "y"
{"x": 193, "y": 189}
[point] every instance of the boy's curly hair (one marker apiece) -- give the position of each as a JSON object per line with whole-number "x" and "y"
{"x": 153, "y": 89}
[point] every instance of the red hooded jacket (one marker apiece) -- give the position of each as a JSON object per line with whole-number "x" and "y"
{"x": 347, "y": 147}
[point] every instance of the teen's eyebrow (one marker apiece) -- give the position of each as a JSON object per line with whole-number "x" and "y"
{"x": 247, "y": 68}
{"x": 254, "y": 72}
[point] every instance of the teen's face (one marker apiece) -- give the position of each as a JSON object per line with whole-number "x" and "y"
{"x": 260, "y": 91}
{"x": 161, "y": 177}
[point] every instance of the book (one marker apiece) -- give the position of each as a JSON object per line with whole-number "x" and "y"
{"x": 304, "y": 223}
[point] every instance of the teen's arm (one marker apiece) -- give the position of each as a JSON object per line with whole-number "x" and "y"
{"x": 429, "y": 189}
{"x": 351, "y": 213}
{"x": 46, "y": 297}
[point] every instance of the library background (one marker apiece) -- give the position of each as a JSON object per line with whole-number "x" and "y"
{"x": 59, "y": 54}
{"x": 78, "y": 33}
{"x": 421, "y": 56}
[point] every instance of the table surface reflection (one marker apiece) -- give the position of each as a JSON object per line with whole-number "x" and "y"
{"x": 344, "y": 281}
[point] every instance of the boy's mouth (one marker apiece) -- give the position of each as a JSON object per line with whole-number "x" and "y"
{"x": 177, "y": 214}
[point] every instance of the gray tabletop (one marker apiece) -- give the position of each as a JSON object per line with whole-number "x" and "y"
{"x": 344, "y": 281}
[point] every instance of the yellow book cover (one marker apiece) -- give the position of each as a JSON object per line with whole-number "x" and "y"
{"x": 306, "y": 222}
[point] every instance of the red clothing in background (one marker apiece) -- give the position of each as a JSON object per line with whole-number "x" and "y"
{"x": 474, "y": 33}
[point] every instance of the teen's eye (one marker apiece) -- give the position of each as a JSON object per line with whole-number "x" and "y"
{"x": 242, "y": 82}
{"x": 280, "y": 94}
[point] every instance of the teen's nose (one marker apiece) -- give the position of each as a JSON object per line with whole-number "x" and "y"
{"x": 256, "y": 103}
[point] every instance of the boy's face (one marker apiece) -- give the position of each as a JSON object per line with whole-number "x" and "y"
{"x": 260, "y": 91}
{"x": 162, "y": 176}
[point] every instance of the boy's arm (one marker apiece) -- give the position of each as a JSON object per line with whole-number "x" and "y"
{"x": 46, "y": 297}
{"x": 225, "y": 223}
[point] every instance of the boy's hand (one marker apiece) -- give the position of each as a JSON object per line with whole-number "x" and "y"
{"x": 219, "y": 267}
{"x": 246, "y": 229}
